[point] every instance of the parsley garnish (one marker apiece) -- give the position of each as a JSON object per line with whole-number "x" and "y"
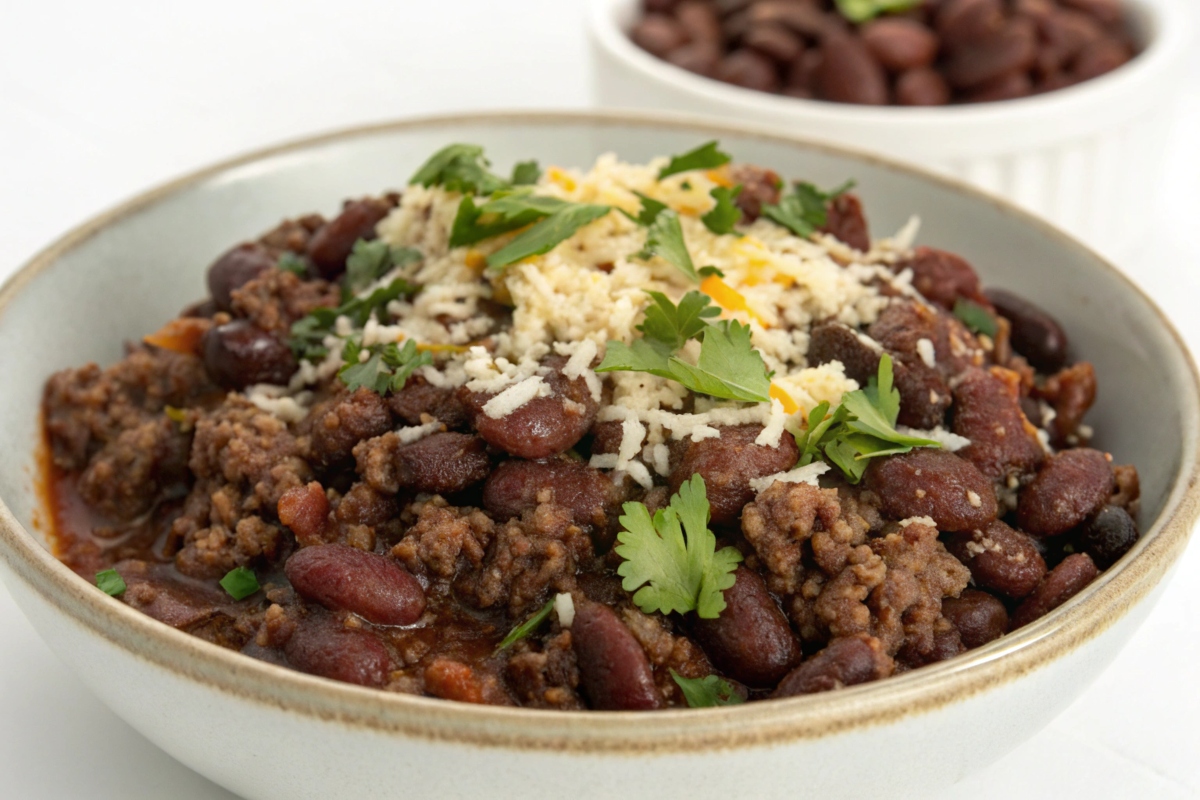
{"x": 671, "y": 572}
{"x": 706, "y": 692}
{"x": 977, "y": 318}
{"x": 649, "y": 211}
{"x": 387, "y": 368}
{"x": 725, "y": 214}
{"x": 459, "y": 168}
{"x": 308, "y": 333}
{"x": 110, "y": 582}
{"x": 545, "y": 235}
{"x": 240, "y": 583}
{"x": 506, "y": 211}
{"x": 371, "y": 260}
{"x": 293, "y": 263}
{"x": 664, "y": 238}
{"x": 859, "y": 11}
{"x": 805, "y": 209}
{"x": 526, "y": 173}
{"x": 728, "y": 367}
{"x": 706, "y": 156}
{"x": 862, "y": 427}
{"x": 527, "y": 627}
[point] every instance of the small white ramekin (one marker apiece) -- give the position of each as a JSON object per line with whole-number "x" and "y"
{"x": 1086, "y": 157}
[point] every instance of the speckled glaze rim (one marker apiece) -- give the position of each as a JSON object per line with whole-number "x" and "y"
{"x": 775, "y": 723}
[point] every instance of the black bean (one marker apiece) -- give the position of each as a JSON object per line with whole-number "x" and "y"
{"x": 1109, "y": 535}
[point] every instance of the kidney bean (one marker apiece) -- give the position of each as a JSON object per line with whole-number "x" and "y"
{"x": 235, "y": 269}
{"x": 1072, "y": 486}
{"x": 418, "y": 398}
{"x": 760, "y": 187}
{"x": 961, "y": 22}
{"x": 516, "y": 486}
{"x": 698, "y": 57}
{"x": 803, "y": 18}
{"x": 659, "y": 6}
{"x": 923, "y": 86}
{"x": 613, "y": 669}
{"x": 942, "y": 277}
{"x": 1000, "y": 559}
{"x": 1064, "y": 33}
{"x": 728, "y": 463}
{"x": 1012, "y": 86}
{"x": 1061, "y": 584}
{"x": 988, "y": 412}
{"x": 848, "y": 73}
{"x": 1035, "y": 334}
{"x": 658, "y": 34}
{"x": 1011, "y": 49}
{"x": 751, "y": 640}
{"x": 845, "y": 661}
{"x": 240, "y": 354}
{"x": 1110, "y": 534}
{"x": 699, "y": 21}
{"x": 338, "y": 424}
{"x": 332, "y": 243}
{"x": 542, "y": 427}
{"x": 846, "y": 221}
{"x": 372, "y": 586}
{"x": 935, "y": 484}
{"x": 978, "y": 616}
{"x": 900, "y": 44}
{"x": 1108, "y": 12}
{"x": 443, "y": 463}
{"x": 322, "y": 646}
{"x": 1099, "y": 57}
{"x": 305, "y": 511}
{"x": 748, "y": 69}
{"x": 774, "y": 41}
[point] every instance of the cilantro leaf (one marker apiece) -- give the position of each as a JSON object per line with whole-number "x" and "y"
{"x": 546, "y": 234}
{"x": 293, "y": 263}
{"x": 674, "y": 325}
{"x": 527, "y": 627}
{"x": 728, "y": 367}
{"x": 977, "y": 318}
{"x": 240, "y": 583}
{"x": 526, "y": 173}
{"x": 506, "y": 211}
{"x": 371, "y": 260}
{"x": 459, "y": 168}
{"x": 859, "y": 11}
{"x": 649, "y": 211}
{"x": 874, "y": 410}
{"x": 671, "y": 571}
{"x": 308, "y": 333}
{"x": 725, "y": 214}
{"x": 706, "y": 156}
{"x": 387, "y": 367}
{"x": 805, "y": 209}
{"x": 110, "y": 582}
{"x": 711, "y": 690}
{"x": 664, "y": 238}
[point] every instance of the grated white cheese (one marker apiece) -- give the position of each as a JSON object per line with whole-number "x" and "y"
{"x": 418, "y": 432}
{"x": 516, "y": 396}
{"x": 809, "y": 474}
{"x": 904, "y": 523}
{"x": 275, "y": 401}
{"x": 926, "y": 352}
{"x": 947, "y": 439}
{"x": 564, "y": 609}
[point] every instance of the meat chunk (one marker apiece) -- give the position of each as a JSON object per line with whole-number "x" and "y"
{"x": 548, "y": 678}
{"x": 943, "y": 277}
{"x": 125, "y": 478}
{"x": 846, "y": 221}
{"x": 1071, "y": 393}
{"x": 728, "y": 463}
{"x": 277, "y": 298}
{"x": 442, "y": 463}
{"x": 936, "y": 484}
{"x": 445, "y": 541}
{"x": 337, "y": 425}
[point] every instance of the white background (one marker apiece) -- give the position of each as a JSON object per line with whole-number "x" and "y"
{"x": 100, "y": 100}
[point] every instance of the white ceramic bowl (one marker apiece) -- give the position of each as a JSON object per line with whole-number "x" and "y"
{"x": 1087, "y": 157}
{"x": 266, "y": 732}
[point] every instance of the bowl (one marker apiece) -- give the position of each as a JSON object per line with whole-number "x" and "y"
{"x": 1074, "y": 156}
{"x": 267, "y": 732}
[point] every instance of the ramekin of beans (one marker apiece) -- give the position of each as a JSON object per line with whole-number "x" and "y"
{"x": 1061, "y": 105}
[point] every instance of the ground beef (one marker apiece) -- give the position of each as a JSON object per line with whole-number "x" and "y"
{"x": 546, "y": 678}
{"x": 335, "y": 426}
{"x": 277, "y": 298}
{"x": 666, "y": 651}
{"x": 125, "y": 478}
{"x": 445, "y": 540}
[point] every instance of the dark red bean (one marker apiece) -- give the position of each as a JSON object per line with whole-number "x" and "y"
{"x": 803, "y": 18}
{"x": 323, "y": 646}
{"x": 751, "y": 640}
{"x": 978, "y": 617}
{"x": 728, "y": 463}
{"x": 1000, "y": 559}
{"x": 1109, "y": 12}
{"x": 846, "y": 221}
{"x": 924, "y": 86}
{"x": 846, "y": 661}
{"x": 774, "y": 41}
{"x": 1035, "y": 334}
{"x": 1012, "y": 49}
{"x": 235, "y": 269}
{"x": 444, "y": 463}
{"x": 987, "y": 410}
{"x": 748, "y": 69}
{"x": 418, "y": 398}
{"x": 900, "y": 44}
{"x": 338, "y": 424}
{"x": 658, "y": 34}
{"x": 240, "y": 354}
{"x": 1100, "y": 57}
{"x": 372, "y": 586}
{"x": 961, "y": 22}
{"x": 935, "y": 484}
{"x": 613, "y": 669}
{"x": 942, "y": 277}
{"x": 1109, "y": 535}
{"x": 517, "y": 486}
{"x": 1012, "y": 86}
{"x": 305, "y": 511}
{"x": 332, "y": 243}
{"x": 1061, "y": 584}
{"x": 698, "y": 57}
{"x": 659, "y": 6}
{"x": 1064, "y": 33}
{"x": 760, "y": 187}
{"x": 1073, "y": 485}
{"x": 848, "y": 73}
{"x": 699, "y": 21}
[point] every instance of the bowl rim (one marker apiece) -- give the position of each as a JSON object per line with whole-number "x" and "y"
{"x": 1165, "y": 23}
{"x": 691, "y": 731}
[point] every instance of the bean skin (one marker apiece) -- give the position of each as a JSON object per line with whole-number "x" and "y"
{"x": 658, "y": 34}
{"x": 942, "y": 277}
{"x": 1061, "y": 584}
{"x": 935, "y": 484}
{"x": 323, "y": 646}
{"x": 443, "y": 463}
{"x": 923, "y": 86}
{"x": 1012, "y": 49}
{"x": 846, "y": 221}
{"x": 517, "y": 486}
{"x": 987, "y": 410}
{"x": 372, "y": 586}
{"x": 728, "y": 463}
{"x": 900, "y": 44}
{"x": 849, "y": 73}
{"x": 613, "y": 669}
{"x": 978, "y": 616}
{"x": 1000, "y": 559}
{"x": 240, "y": 354}
{"x": 235, "y": 269}
{"x": 1072, "y": 486}
{"x": 1109, "y": 535}
{"x": 1035, "y": 334}
{"x": 751, "y": 640}
{"x": 748, "y": 69}
{"x": 845, "y": 661}
{"x": 332, "y": 243}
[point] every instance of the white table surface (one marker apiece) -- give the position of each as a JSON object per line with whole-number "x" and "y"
{"x": 101, "y": 100}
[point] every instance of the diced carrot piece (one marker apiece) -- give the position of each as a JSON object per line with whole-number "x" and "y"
{"x": 180, "y": 335}
{"x": 727, "y": 297}
{"x": 789, "y": 405}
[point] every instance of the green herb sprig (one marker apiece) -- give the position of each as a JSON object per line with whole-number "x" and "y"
{"x": 725, "y": 215}
{"x": 459, "y": 168}
{"x": 664, "y": 238}
{"x": 111, "y": 583}
{"x": 308, "y": 333}
{"x": 387, "y": 368}
{"x": 239, "y": 583}
{"x": 805, "y": 209}
{"x": 977, "y": 318}
{"x": 706, "y": 156}
{"x": 706, "y": 692}
{"x": 527, "y": 627}
{"x": 859, "y": 11}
